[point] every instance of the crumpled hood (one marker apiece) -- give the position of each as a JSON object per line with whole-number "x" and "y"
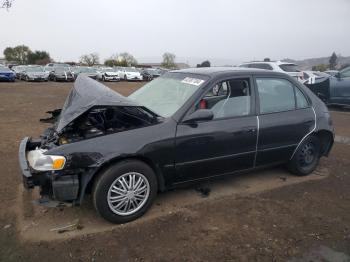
{"x": 85, "y": 94}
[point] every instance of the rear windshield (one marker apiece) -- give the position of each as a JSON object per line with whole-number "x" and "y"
{"x": 289, "y": 68}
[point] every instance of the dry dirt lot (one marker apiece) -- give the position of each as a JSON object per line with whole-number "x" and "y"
{"x": 262, "y": 216}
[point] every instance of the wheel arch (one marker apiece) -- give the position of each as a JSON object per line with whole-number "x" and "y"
{"x": 113, "y": 161}
{"x": 326, "y": 138}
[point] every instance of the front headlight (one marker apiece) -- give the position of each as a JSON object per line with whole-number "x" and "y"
{"x": 40, "y": 162}
{"x": 47, "y": 163}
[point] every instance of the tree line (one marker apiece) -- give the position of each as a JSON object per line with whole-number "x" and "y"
{"x": 23, "y": 55}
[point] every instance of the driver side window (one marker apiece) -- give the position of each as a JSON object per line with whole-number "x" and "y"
{"x": 229, "y": 98}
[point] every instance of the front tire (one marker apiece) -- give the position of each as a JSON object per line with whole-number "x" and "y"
{"x": 124, "y": 191}
{"x": 306, "y": 158}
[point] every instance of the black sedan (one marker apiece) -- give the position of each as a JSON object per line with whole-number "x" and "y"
{"x": 182, "y": 127}
{"x": 150, "y": 74}
{"x": 334, "y": 90}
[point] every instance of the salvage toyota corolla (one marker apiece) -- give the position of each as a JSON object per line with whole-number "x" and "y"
{"x": 182, "y": 127}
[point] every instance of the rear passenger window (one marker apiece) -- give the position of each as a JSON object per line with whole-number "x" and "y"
{"x": 276, "y": 95}
{"x": 301, "y": 100}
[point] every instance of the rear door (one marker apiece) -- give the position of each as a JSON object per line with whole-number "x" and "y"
{"x": 224, "y": 144}
{"x": 285, "y": 117}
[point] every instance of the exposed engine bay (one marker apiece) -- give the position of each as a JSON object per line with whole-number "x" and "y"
{"x": 98, "y": 121}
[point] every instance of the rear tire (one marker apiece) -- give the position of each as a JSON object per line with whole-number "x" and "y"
{"x": 117, "y": 195}
{"x": 306, "y": 158}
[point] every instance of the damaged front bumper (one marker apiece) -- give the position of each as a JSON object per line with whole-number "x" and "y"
{"x": 59, "y": 186}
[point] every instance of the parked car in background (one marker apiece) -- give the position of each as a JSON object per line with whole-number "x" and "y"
{"x": 332, "y": 72}
{"x": 61, "y": 74}
{"x": 311, "y": 76}
{"x": 277, "y": 66}
{"x": 34, "y": 73}
{"x": 88, "y": 71}
{"x": 130, "y": 74}
{"x": 149, "y": 74}
{"x": 18, "y": 70}
{"x": 108, "y": 74}
{"x": 186, "y": 126}
{"x": 333, "y": 90}
{"x": 6, "y": 74}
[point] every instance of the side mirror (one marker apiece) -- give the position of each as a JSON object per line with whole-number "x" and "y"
{"x": 337, "y": 75}
{"x": 199, "y": 115}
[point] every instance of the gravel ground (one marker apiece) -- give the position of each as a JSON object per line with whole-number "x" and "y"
{"x": 262, "y": 216}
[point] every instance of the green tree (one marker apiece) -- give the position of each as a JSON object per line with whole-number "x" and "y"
{"x": 204, "y": 64}
{"x": 169, "y": 61}
{"x": 333, "y": 61}
{"x": 90, "y": 59}
{"x": 39, "y": 57}
{"x": 18, "y": 54}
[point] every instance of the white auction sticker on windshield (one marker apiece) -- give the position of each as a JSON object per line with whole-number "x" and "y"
{"x": 193, "y": 81}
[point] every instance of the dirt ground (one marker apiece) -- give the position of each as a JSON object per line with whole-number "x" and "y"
{"x": 262, "y": 216}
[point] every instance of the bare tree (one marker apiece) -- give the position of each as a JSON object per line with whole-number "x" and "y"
{"x": 169, "y": 61}
{"x": 128, "y": 59}
{"x": 6, "y": 4}
{"x": 90, "y": 59}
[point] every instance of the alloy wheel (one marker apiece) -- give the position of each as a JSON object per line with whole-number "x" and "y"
{"x": 128, "y": 193}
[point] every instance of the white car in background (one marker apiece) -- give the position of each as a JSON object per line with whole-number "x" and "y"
{"x": 108, "y": 74}
{"x": 130, "y": 74}
{"x": 278, "y": 66}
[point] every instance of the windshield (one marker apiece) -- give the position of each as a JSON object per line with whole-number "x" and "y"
{"x": 62, "y": 69}
{"x": 87, "y": 70}
{"x": 289, "y": 68}
{"x": 130, "y": 70}
{"x": 35, "y": 69}
{"x": 166, "y": 94}
{"x": 4, "y": 68}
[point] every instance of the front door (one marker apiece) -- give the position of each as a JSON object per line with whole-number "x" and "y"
{"x": 225, "y": 144}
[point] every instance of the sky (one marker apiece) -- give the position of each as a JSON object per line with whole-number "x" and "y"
{"x": 223, "y": 31}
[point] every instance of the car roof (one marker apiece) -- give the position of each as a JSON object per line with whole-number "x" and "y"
{"x": 215, "y": 71}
